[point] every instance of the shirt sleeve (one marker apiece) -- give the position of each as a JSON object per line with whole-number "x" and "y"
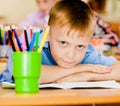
{"x": 93, "y": 57}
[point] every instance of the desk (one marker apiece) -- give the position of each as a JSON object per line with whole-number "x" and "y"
{"x": 60, "y": 97}
{"x": 115, "y": 26}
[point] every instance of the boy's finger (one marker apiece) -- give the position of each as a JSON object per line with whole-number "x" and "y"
{"x": 102, "y": 70}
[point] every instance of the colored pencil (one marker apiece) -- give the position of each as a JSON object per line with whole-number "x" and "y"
{"x": 16, "y": 36}
{"x": 26, "y": 39}
{"x": 10, "y": 38}
{"x": 33, "y": 40}
{"x": 43, "y": 39}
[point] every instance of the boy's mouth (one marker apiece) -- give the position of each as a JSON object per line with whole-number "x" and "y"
{"x": 68, "y": 62}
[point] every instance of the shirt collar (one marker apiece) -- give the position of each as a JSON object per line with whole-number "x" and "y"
{"x": 46, "y": 45}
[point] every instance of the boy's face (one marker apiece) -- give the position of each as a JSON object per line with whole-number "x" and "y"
{"x": 44, "y": 5}
{"x": 67, "y": 50}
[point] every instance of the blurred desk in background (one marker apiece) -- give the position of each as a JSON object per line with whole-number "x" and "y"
{"x": 113, "y": 21}
{"x": 114, "y": 51}
{"x": 3, "y": 60}
{"x": 115, "y": 26}
{"x": 2, "y": 65}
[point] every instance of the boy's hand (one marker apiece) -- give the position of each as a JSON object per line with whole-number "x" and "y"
{"x": 88, "y": 72}
{"x": 56, "y": 73}
{"x": 79, "y": 77}
{"x": 93, "y": 68}
{"x": 88, "y": 76}
{"x": 98, "y": 68}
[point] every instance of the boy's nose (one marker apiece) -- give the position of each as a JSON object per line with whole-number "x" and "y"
{"x": 70, "y": 53}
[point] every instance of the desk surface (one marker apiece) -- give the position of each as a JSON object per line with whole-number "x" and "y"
{"x": 60, "y": 97}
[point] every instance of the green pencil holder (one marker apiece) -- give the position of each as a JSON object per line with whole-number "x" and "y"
{"x": 26, "y": 71}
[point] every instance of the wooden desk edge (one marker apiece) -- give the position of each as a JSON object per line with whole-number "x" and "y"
{"x": 73, "y": 99}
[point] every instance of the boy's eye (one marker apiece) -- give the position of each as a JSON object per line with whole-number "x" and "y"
{"x": 63, "y": 43}
{"x": 80, "y": 46}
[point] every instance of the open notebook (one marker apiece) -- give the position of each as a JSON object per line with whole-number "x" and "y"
{"x": 69, "y": 85}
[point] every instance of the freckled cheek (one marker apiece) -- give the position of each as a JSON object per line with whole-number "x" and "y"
{"x": 57, "y": 51}
{"x": 80, "y": 56}
{"x": 54, "y": 46}
{"x": 61, "y": 53}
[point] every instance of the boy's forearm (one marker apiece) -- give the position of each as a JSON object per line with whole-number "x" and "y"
{"x": 90, "y": 76}
{"x": 53, "y": 73}
{"x": 113, "y": 75}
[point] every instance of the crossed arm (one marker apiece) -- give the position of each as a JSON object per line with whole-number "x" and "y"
{"x": 81, "y": 72}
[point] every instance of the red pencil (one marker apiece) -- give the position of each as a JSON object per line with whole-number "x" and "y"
{"x": 31, "y": 32}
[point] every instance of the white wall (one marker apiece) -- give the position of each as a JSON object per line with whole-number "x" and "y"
{"x": 112, "y": 13}
{"x": 113, "y": 8}
{"x": 14, "y": 11}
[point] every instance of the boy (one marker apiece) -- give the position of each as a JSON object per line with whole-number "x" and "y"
{"x": 68, "y": 56}
{"x": 72, "y": 25}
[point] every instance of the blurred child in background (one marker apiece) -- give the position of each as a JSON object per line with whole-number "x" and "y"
{"x": 103, "y": 31}
{"x": 38, "y": 18}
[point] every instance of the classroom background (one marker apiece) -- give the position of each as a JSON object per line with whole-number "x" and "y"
{"x": 15, "y": 11}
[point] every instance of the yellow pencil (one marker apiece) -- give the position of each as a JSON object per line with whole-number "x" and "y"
{"x": 43, "y": 40}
